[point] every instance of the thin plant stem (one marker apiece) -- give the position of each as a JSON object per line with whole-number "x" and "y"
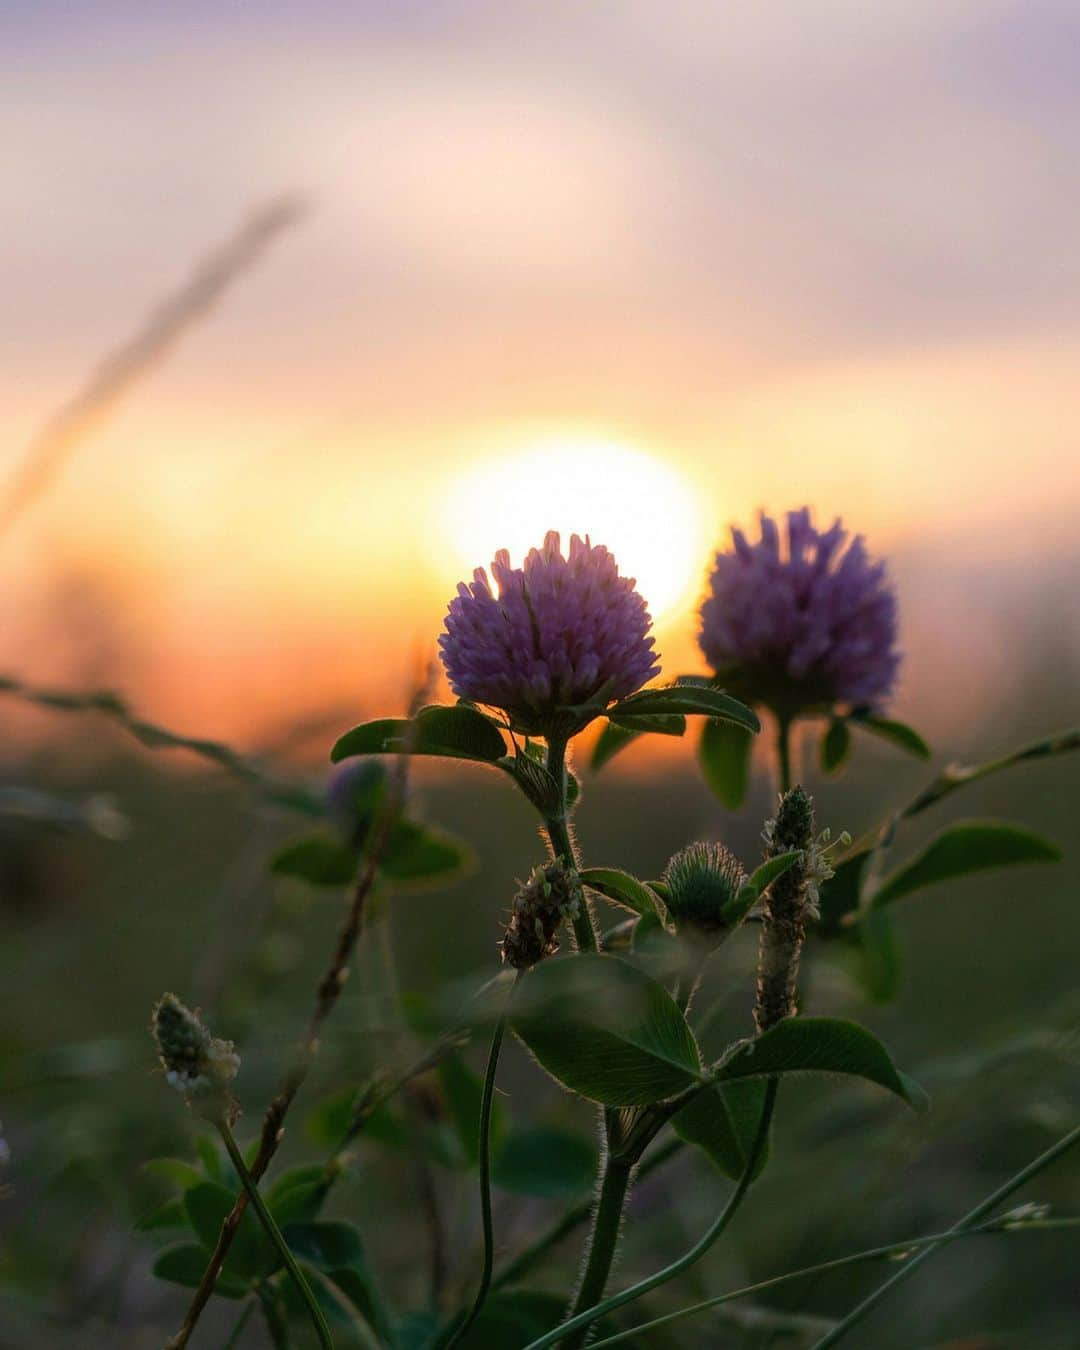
{"x": 969, "y": 1221}
{"x": 685, "y": 1261}
{"x": 487, "y": 1102}
{"x": 574, "y": 1218}
{"x": 238, "y": 1329}
{"x": 273, "y": 1232}
{"x": 894, "y": 1249}
{"x": 562, "y": 845}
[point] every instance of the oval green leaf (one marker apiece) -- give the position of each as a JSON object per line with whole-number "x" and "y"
{"x": 967, "y": 847}
{"x": 620, "y": 887}
{"x": 606, "y": 1031}
{"x": 896, "y": 733}
{"x": 319, "y": 859}
{"x": 456, "y": 732}
{"x": 835, "y": 745}
{"x": 185, "y": 1264}
{"x": 724, "y": 756}
{"x": 723, "y": 1121}
{"x": 687, "y": 701}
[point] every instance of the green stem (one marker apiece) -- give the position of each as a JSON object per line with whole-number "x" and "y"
{"x": 572, "y": 1219}
{"x": 970, "y": 1220}
{"x": 562, "y": 846}
{"x": 486, "y": 1104}
{"x": 273, "y": 1232}
{"x": 824, "y": 1267}
{"x": 238, "y": 1329}
{"x": 602, "y": 1244}
{"x": 685, "y": 1261}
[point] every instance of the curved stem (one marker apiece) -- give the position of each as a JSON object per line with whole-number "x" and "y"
{"x": 695, "y": 1253}
{"x": 273, "y": 1232}
{"x": 969, "y": 1221}
{"x": 823, "y": 1267}
{"x": 486, "y": 1104}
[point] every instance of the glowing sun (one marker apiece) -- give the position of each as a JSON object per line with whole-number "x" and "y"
{"x": 641, "y": 509}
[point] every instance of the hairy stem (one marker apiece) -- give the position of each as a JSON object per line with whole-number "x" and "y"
{"x": 603, "y": 1241}
{"x": 894, "y": 1249}
{"x": 273, "y": 1232}
{"x": 969, "y": 1221}
{"x": 562, "y": 845}
{"x": 635, "y": 1291}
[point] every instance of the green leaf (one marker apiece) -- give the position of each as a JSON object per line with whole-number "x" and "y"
{"x": 208, "y": 1205}
{"x": 723, "y": 1120}
{"x": 969, "y": 846}
{"x": 606, "y": 1031}
{"x": 763, "y": 877}
{"x": 839, "y": 895}
{"x": 621, "y": 887}
{"x": 556, "y": 1164}
{"x": 835, "y": 745}
{"x": 327, "y": 1122}
{"x": 651, "y": 724}
{"x": 185, "y": 1263}
{"x": 898, "y": 733}
{"x": 464, "y": 1091}
{"x": 171, "y": 1214}
{"x": 512, "y": 1319}
{"x": 724, "y": 756}
{"x": 685, "y": 700}
{"x": 458, "y": 732}
{"x": 422, "y": 852}
{"x": 213, "y": 1163}
{"x": 320, "y": 859}
{"x": 297, "y": 1195}
{"x": 877, "y": 955}
{"x": 174, "y": 1171}
{"x": 608, "y": 744}
{"x": 337, "y": 1249}
{"x": 819, "y": 1045}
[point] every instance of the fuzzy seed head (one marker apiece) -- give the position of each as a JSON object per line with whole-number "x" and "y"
{"x": 702, "y": 880}
{"x": 195, "y": 1063}
{"x": 552, "y": 893}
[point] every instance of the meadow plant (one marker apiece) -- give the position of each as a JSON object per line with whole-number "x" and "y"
{"x": 801, "y": 626}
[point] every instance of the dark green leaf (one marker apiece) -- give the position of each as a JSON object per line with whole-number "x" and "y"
{"x": 422, "y": 852}
{"x": 820, "y": 1045}
{"x": 970, "y": 846}
{"x": 349, "y": 1328}
{"x": 763, "y": 877}
{"x": 458, "y": 732}
{"x": 607, "y": 1031}
{"x": 898, "y": 733}
{"x": 213, "y": 1163}
{"x": 185, "y": 1263}
{"x": 621, "y": 887}
{"x": 320, "y": 859}
{"x": 544, "y": 1161}
{"x": 464, "y": 1090}
{"x": 608, "y": 744}
{"x": 171, "y": 1214}
{"x": 724, "y": 756}
{"x": 687, "y": 701}
{"x": 835, "y": 745}
{"x": 208, "y": 1205}
{"x": 652, "y": 724}
{"x": 175, "y": 1171}
{"x": 297, "y": 1195}
{"x": 723, "y": 1120}
{"x": 327, "y": 1122}
{"x": 512, "y": 1319}
{"x": 337, "y": 1249}
{"x": 877, "y": 956}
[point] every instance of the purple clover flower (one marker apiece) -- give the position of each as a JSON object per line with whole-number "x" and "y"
{"x": 561, "y": 632}
{"x": 804, "y": 625}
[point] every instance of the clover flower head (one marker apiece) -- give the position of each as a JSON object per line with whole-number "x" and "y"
{"x": 552, "y": 893}
{"x": 195, "y": 1063}
{"x": 556, "y": 633}
{"x": 703, "y": 882}
{"x": 806, "y": 621}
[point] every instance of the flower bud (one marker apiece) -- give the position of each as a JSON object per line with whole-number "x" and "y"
{"x": 704, "y": 883}
{"x": 197, "y": 1064}
{"x": 551, "y": 894}
{"x": 789, "y": 902}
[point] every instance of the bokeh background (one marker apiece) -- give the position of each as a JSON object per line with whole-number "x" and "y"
{"x": 308, "y": 308}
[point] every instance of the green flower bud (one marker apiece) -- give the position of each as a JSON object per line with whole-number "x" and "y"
{"x": 705, "y": 891}
{"x": 552, "y": 893}
{"x": 197, "y": 1064}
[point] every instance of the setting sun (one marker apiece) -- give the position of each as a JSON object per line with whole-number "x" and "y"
{"x": 643, "y": 511}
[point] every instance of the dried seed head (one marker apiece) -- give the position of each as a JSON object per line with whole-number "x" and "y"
{"x": 197, "y": 1064}
{"x": 552, "y": 893}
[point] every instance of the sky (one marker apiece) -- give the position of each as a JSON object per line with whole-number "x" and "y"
{"x": 637, "y": 268}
